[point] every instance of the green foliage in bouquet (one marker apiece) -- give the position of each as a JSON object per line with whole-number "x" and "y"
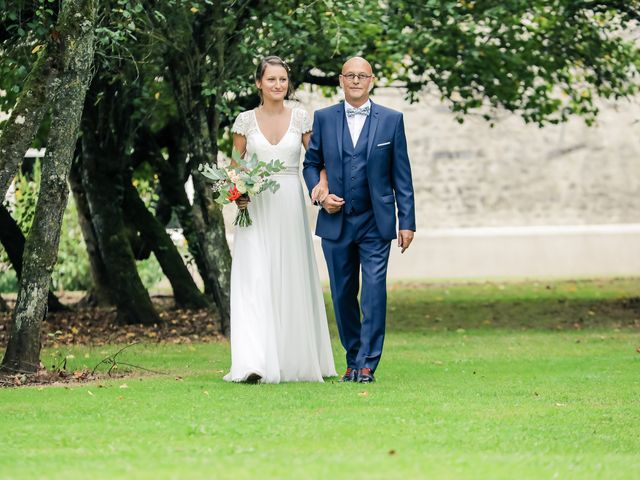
{"x": 249, "y": 176}
{"x": 242, "y": 177}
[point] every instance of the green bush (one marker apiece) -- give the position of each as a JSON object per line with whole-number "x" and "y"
{"x": 72, "y": 270}
{"x": 8, "y": 280}
{"x": 150, "y": 272}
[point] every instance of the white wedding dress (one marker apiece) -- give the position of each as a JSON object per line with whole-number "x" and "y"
{"x": 278, "y": 320}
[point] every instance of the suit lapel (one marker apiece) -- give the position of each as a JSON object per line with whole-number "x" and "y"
{"x": 339, "y": 127}
{"x": 372, "y": 128}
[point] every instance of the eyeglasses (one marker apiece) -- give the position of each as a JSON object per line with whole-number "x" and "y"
{"x": 360, "y": 76}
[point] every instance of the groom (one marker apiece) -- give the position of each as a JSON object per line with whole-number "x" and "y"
{"x": 362, "y": 146}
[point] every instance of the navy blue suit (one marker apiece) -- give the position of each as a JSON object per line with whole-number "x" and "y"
{"x": 372, "y": 177}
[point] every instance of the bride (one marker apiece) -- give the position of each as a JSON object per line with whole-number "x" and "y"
{"x": 279, "y": 327}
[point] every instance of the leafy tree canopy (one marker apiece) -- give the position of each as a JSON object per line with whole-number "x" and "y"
{"x": 545, "y": 60}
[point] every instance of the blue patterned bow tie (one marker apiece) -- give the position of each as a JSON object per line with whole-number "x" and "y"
{"x": 352, "y": 112}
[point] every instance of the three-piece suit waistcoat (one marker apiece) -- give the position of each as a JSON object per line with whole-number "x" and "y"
{"x": 354, "y": 164}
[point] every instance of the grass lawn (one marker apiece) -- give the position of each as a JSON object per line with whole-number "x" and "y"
{"x": 528, "y": 380}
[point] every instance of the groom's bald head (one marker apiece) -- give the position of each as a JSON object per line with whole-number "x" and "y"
{"x": 356, "y": 80}
{"x": 357, "y": 63}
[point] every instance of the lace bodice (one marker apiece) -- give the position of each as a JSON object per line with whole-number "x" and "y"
{"x": 246, "y": 122}
{"x": 287, "y": 149}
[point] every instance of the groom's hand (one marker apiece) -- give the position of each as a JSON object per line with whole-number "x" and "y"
{"x": 405, "y": 237}
{"x": 332, "y": 203}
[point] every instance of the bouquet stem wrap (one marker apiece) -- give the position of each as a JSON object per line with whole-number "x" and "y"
{"x": 243, "y": 219}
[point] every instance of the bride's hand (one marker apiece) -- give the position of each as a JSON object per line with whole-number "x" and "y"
{"x": 243, "y": 202}
{"x": 320, "y": 192}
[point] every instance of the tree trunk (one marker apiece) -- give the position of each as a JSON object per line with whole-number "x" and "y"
{"x": 185, "y": 291}
{"x": 22, "y": 126}
{"x": 100, "y": 293}
{"x": 210, "y": 229}
{"x": 207, "y": 215}
{"x": 105, "y": 203}
{"x": 74, "y": 54}
{"x": 105, "y": 124}
{"x": 3, "y": 305}
{"x": 172, "y": 177}
{"x": 12, "y": 239}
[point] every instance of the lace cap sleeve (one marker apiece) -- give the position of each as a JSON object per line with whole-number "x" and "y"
{"x": 306, "y": 123}
{"x": 241, "y": 125}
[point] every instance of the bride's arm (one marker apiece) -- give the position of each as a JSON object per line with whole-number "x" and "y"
{"x": 240, "y": 145}
{"x": 321, "y": 190}
{"x": 305, "y": 140}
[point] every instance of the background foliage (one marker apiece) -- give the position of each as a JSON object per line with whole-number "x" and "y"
{"x": 72, "y": 269}
{"x": 545, "y": 60}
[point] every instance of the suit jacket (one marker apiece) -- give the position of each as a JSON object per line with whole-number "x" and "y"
{"x": 388, "y": 169}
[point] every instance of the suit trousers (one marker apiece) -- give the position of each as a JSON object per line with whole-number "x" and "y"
{"x": 360, "y": 246}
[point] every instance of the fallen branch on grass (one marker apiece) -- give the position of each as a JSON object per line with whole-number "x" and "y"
{"x": 112, "y": 360}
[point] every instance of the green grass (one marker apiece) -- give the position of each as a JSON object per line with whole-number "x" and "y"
{"x": 530, "y": 394}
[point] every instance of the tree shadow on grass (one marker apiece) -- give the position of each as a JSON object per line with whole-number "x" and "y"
{"x": 538, "y": 314}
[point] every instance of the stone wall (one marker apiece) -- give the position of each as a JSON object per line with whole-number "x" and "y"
{"x": 513, "y": 174}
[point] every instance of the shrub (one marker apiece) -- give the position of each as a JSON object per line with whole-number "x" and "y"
{"x": 71, "y": 271}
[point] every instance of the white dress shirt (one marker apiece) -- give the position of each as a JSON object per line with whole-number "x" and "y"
{"x": 356, "y": 122}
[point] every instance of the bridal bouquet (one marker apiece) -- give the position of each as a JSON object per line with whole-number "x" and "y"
{"x": 241, "y": 177}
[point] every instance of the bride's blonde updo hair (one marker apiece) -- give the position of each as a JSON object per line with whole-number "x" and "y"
{"x": 277, "y": 61}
